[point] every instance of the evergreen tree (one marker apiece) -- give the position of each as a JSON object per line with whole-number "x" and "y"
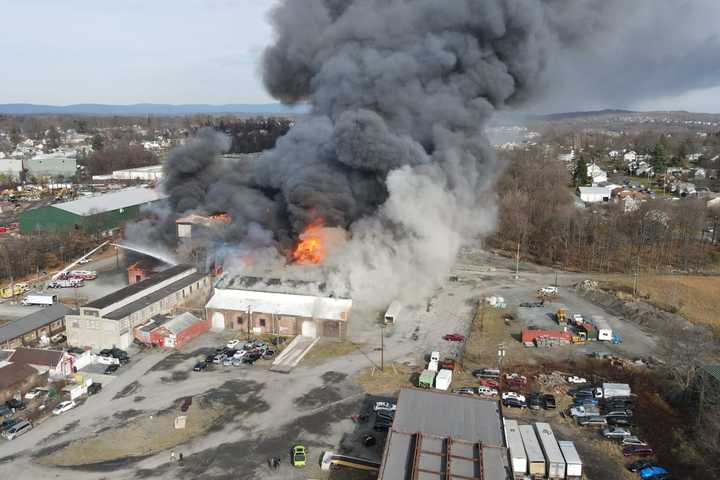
{"x": 581, "y": 172}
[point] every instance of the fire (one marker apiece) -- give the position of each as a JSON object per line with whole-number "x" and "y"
{"x": 310, "y": 248}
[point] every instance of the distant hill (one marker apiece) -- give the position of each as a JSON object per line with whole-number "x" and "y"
{"x": 148, "y": 109}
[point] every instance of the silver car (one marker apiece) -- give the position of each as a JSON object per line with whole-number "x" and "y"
{"x": 18, "y": 429}
{"x": 616, "y": 432}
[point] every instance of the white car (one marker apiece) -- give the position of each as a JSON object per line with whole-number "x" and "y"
{"x": 549, "y": 290}
{"x": 487, "y": 391}
{"x": 64, "y": 407}
{"x": 616, "y": 432}
{"x": 578, "y": 319}
{"x": 33, "y": 394}
{"x": 240, "y": 354}
{"x": 107, "y": 360}
{"x": 514, "y": 395}
{"x": 84, "y": 261}
{"x": 233, "y": 343}
{"x": 386, "y": 406}
{"x": 574, "y": 379}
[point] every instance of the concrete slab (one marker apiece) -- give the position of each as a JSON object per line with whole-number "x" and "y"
{"x": 293, "y": 353}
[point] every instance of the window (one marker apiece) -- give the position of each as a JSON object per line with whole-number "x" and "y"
{"x": 262, "y": 322}
{"x": 239, "y": 320}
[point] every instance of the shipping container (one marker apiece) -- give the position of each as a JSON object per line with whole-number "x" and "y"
{"x": 574, "y": 467}
{"x": 443, "y": 379}
{"x": 393, "y": 313}
{"x": 551, "y": 449}
{"x": 536, "y": 459}
{"x": 516, "y": 449}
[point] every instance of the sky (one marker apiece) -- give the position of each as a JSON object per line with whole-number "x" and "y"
{"x": 655, "y": 54}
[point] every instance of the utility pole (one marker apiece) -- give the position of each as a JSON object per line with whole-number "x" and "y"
{"x": 501, "y": 355}
{"x": 517, "y": 262}
{"x": 637, "y": 275}
{"x": 555, "y": 278}
{"x": 382, "y": 347}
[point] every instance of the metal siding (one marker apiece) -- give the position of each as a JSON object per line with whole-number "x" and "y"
{"x": 47, "y": 219}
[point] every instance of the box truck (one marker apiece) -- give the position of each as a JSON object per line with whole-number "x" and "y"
{"x": 551, "y": 449}
{"x": 573, "y": 463}
{"x": 536, "y": 459}
{"x": 393, "y": 313}
{"x": 40, "y": 299}
{"x": 443, "y": 379}
{"x": 516, "y": 449}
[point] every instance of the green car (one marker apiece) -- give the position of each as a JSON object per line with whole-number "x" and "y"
{"x": 298, "y": 456}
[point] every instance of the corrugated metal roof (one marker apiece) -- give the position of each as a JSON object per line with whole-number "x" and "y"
{"x": 181, "y": 322}
{"x": 713, "y": 370}
{"x": 570, "y": 453}
{"x": 281, "y": 304}
{"x": 34, "y": 321}
{"x": 111, "y": 201}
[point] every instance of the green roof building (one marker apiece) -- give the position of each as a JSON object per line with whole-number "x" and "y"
{"x": 97, "y": 214}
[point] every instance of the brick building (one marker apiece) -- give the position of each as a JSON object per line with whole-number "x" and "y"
{"x": 172, "y": 332}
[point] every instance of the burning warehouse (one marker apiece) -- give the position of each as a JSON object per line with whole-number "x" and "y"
{"x": 279, "y": 306}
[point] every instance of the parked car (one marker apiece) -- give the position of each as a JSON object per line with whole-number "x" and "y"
{"x": 577, "y": 380}
{"x": 94, "y": 388}
{"x": 592, "y": 422}
{"x": 299, "y": 456}
{"x": 200, "y": 367}
{"x": 106, "y": 352}
{"x": 515, "y": 395}
{"x": 548, "y": 291}
{"x": 382, "y": 424}
{"x": 487, "y": 373}
{"x": 465, "y": 391}
{"x": 616, "y": 432}
{"x": 228, "y": 362}
{"x": 514, "y": 402}
{"x": 652, "y": 472}
{"x": 5, "y": 411}
{"x": 63, "y": 407}
{"x": 487, "y": 382}
{"x": 387, "y": 406}
{"x": 218, "y": 359}
{"x": 534, "y": 401}
{"x": 639, "y": 450}
{"x": 617, "y": 413}
{"x": 111, "y": 369}
{"x": 34, "y": 393}
{"x": 20, "y": 428}
{"x": 515, "y": 379}
{"x": 619, "y": 420}
{"x": 233, "y": 343}
{"x": 638, "y": 465}
{"x": 633, "y": 440}
{"x": 487, "y": 391}
{"x": 532, "y": 304}
{"x": 59, "y": 338}
{"x": 15, "y": 404}
{"x": 6, "y": 424}
{"x": 549, "y": 401}
{"x": 454, "y": 337}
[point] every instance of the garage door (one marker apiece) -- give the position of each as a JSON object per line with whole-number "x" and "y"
{"x": 331, "y": 328}
{"x": 218, "y": 321}
{"x": 309, "y": 329}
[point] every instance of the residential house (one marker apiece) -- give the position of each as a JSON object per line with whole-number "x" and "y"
{"x": 630, "y": 156}
{"x": 567, "y": 157}
{"x": 597, "y": 174}
{"x": 700, "y": 173}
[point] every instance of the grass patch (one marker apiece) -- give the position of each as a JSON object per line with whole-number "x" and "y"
{"x": 694, "y": 297}
{"x": 396, "y": 376}
{"x": 325, "y": 349}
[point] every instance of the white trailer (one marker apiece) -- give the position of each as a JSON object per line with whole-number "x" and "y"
{"x": 551, "y": 449}
{"x": 443, "y": 379}
{"x": 393, "y": 313}
{"x": 516, "y": 449}
{"x": 605, "y": 333}
{"x": 536, "y": 459}
{"x": 573, "y": 462}
{"x": 39, "y": 299}
{"x": 610, "y": 390}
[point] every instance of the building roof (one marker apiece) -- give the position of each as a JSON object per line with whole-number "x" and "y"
{"x": 14, "y": 373}
{"x": 307, "y": 306}
{"x": 713, "y": 370}
{"x": 36, "y": 356}
{"x": 431, "y": 427}
{"x": 181, "y": 322}
{"x": 138, "y": 287}
{"x": 34, "y": 321}
{"x": 153, "y": 297}
{"x": 280, "y": 284}
{"x": 107, "y": 202}
{"x": 594, "y": 190}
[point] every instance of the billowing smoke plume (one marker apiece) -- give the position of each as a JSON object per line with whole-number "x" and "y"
{"x": 393, "y": 151}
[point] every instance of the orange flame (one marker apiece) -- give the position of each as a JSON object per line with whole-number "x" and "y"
{"x": 310, "y": 248}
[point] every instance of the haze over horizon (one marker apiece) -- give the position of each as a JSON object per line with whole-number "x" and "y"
{"x": 210, "y": 52}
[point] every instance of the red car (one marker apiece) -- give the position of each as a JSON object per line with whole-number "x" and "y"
{"x": 490, "y": 383}
{"x": 447, "y": 364}
{"x": 454, "y": 337}
{"x": 639, "y": 450}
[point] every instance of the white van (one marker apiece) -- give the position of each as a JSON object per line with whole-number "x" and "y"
{"x": 18, "y": 429}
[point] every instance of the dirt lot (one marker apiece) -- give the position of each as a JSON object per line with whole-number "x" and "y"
{"x": 693, "y": 297}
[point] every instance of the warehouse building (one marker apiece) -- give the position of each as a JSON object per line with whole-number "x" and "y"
{"x": 52, "y": 165}
{"x": 97, "y": 214}
{"x": 35, "y": 328}
{"x": 110, "y": 321}
{"x": 152, "y": 173}
{"x": 278, "y": 306}
{"x": 438, "y": 435}
{"x": 171, "y": 332}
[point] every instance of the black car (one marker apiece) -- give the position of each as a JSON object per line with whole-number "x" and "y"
{"x": 185, "y": 405}
{"x": 250, "y": 358}
{"x": 15, "y": 404}
{"x": 119, "y": 354}
{"x": 619, "y": 421}
{"x": 535, "y": 401}
{"x": 514, "y": 402}
{"x": 549, "y": 402}
{"x": 210, "y": 358}
{"x": 200, "y": 367}
{"x": 94, "y": 388}
{"x": 106, "y": 352}
{"x": 111, "y": 369}
{"x": 638, "y": 465}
